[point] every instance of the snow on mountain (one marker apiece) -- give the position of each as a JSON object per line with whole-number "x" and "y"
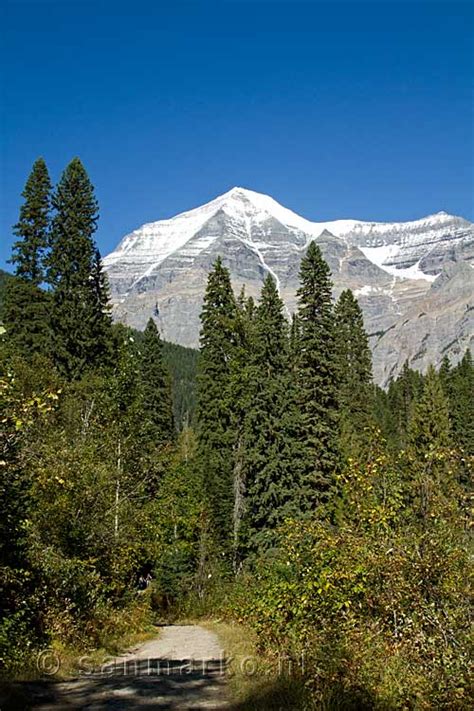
{"x": 160, "y": 270}
{"x": 384, "y": 244}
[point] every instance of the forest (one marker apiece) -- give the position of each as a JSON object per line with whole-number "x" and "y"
{"x": 265, "y": 480}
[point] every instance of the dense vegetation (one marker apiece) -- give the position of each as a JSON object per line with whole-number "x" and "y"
{"x": 329, "y": 515}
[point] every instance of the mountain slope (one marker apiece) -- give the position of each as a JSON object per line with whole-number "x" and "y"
{"x": 160, "y": 269}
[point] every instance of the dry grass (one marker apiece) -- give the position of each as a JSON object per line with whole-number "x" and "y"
{"x": 256, "y": 683}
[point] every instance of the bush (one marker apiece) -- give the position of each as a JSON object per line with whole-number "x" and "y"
{"x": 373, "y": 597}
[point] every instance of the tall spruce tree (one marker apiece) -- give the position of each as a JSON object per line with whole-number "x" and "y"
{"x": 26, "y": 304}
{"x": 354, "y": 361}
{"x": 33, "y": 226}
{"x": 80, "y": 320}
{"x": 273, "y": 465}
{"x": 214, "y": 412}
{"x": 240, "y": 398}
{"x": 317, "y": 376}
{"x": 157, "y": 407}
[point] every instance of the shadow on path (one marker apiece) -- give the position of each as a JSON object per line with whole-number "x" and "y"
{"x": 129, "y": 684}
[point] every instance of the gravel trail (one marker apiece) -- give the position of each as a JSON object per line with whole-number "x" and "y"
{"x": 183, "y": 668}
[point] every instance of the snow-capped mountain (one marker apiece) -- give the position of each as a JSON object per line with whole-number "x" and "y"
{"x": 395, "y": 269}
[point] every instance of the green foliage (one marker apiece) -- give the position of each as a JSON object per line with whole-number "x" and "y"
{"x": 80, "y": 321}
{"x": 429, "y": 427}
{"x": 156, "y": 404}
{"x": 25, "y": 308}
{"x": 402, "y": 395}
{"x": 26, "y": 317}
{"x": 272, "y": 457}
{"x": 354, "y": 373}
{"x": 181, "y": 364}
{"x": 33, "y": 226}
{"x": 317, "y": 376}
{"x": 216, "y": 433}
{"x": 377, "y": 605}
{"x": 5, "y": 278}
{"x": 460, "y": 391}
{"x": 180, "y": 548}
{"x": 360, "y": 563}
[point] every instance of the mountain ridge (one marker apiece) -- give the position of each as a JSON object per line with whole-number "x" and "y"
{"x": 160, "y": 268}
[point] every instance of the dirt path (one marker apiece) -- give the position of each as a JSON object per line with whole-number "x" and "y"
{"x": 183, "y": 668}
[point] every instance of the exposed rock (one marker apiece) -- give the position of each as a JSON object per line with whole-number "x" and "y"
{"x": 414, "y": 280}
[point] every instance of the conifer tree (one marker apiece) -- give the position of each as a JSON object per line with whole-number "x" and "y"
{"x": 294, "y": 335}
{"x": 354, "y": 373}
{"x": 402, "y": 395}
{"x": 214, "y": 412}
{"x": 272, "y": 457}
{"x": 157, "y": 408}
{"x": 429, "y": 427}
{"x": 445, "y": 374}
{"x": 462, "y": 403}
{"x": 429, "y": 435}
{"x": 317, "y": 376}
{"x": 26, "y": 304}
{"x": 240, "y": 398}
{"x": 33, "y": 226}
{"x": 80, "y": 320}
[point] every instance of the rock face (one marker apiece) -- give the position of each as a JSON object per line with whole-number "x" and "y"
{"x": 414, "y": 280}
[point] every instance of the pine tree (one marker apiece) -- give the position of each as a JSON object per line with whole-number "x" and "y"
{"x": 26, "y": 305}
{"x": 80, "y": 320}
{"x": 157, "y": 407}
{"x": 214, "y": 412}
{"x": 317, "y": 375}
{"x": 272, "y": 456}
{"x": 354, "y": 373}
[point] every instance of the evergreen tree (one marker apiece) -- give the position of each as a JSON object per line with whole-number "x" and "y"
{"x": 317, "y": 375}
{"x": 157, "y": 407}
{"x": 445, "y": 374}
{"x": 355, "y": 373}
{"x": 272, "y": 456}
{"x": 383, "y": 416}
{"x": 240, "y": 397}
{"x": 402, "y": 395}
{"x": 26, "y": 318}
{"x": 462, "y": 403}
{"x": 80, "y": 320}
{"x": 214, "y": 412}
{"x": 294, "y": 336}
{"x": 33, "y": 225}
{"x": 429, "y": 427}
{"x": 429, "y": 433}
{"x": 25, "y": 311}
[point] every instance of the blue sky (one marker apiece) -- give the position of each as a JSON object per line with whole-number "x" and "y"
{"x": 335, "y": 109}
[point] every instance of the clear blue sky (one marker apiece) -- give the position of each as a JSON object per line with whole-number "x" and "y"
{"x": 335, "y": 109}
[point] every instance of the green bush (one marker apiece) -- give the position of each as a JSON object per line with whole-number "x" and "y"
{"x": 373, "y": 597}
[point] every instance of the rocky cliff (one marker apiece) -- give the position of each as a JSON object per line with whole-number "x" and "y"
{"x": 414, "y": 280}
